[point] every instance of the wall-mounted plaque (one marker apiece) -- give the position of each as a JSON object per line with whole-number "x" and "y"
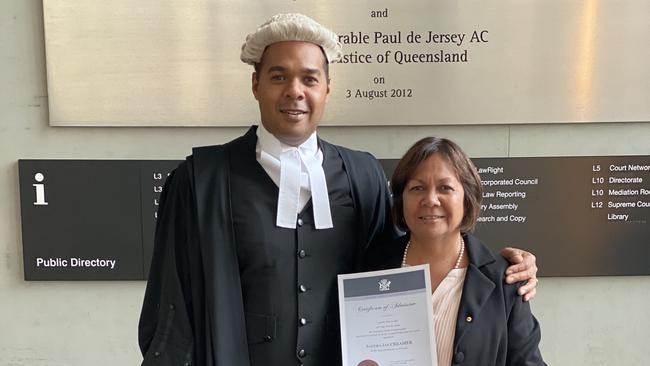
{"x": 408, "y": 62}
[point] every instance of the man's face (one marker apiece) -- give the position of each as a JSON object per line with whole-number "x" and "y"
{"x": 292, "y": 89}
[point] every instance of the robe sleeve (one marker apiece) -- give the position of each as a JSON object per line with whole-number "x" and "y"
{"x": 165, "y": 332}
{"x": 381, "y": 230}
{"x": 372, "y": 201}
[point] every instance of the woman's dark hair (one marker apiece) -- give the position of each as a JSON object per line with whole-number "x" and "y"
{"x": 465, "y": 172}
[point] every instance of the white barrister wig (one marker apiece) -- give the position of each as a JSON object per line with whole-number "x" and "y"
{"x": 290, "y": 27}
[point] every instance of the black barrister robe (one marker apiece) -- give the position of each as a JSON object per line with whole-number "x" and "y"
{"x": 193, "y": 309}
{"x": 495, "y": 327}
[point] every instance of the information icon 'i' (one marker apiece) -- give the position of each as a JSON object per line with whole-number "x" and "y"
{"x": 40, "y": 190}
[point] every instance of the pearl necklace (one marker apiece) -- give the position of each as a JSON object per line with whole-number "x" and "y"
{"x": 460, "y": 253}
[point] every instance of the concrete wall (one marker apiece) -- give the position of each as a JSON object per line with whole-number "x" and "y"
{"x": 585, "y": 321}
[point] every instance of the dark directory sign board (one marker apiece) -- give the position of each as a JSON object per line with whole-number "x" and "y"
{"x": 89, "y": 219}
{"x": 581, "y": 216}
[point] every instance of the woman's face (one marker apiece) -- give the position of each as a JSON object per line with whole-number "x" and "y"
{"x": 433, "y": 200}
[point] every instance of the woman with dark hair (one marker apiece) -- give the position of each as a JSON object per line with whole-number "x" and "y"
{"x": 479, "y": 319}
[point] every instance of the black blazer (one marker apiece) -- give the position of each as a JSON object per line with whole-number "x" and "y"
{"x": 494, "y": 325}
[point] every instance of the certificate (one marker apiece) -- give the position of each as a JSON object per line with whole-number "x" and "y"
{"x": 387, "y": 318}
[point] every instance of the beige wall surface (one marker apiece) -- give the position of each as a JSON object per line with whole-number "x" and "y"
{"x": 585, "y": 321}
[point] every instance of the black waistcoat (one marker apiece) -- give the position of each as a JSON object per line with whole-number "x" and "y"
{"x": 288, "y": 276}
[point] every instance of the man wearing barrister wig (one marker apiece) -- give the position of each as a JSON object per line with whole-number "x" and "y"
{"x": 251, "y": 234}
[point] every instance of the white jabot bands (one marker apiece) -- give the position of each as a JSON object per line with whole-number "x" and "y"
{"x": 298, "y": 172}
{"x": 289, "y": 193}
{"x": 319, "y": 196}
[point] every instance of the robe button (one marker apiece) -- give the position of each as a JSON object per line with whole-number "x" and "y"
{"x": 267, "y": 338}
{"x": 302, "y": 288}
{"x": 300, "y": 222}
{"x": 302, "y": 253}
{"x": 303, "y": 321}
{"x": 156, "y": 354}
{"x": 469, "y": 319}
{"x": 459, "y": 357}
{"x": 302, "y": 353}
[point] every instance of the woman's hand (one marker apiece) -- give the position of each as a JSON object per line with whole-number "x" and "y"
{"x": 523, "y": 268}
